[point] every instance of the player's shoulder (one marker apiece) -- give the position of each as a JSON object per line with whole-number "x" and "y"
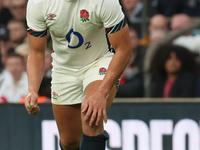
{"x": 40, "y": 5}
{"x": 94, "y": 2}
{"x": 104, "y": 4}
{"x": 108, "y": 1}
{"x": 99, "y": 2}
{"x": 40, "y": 2}
{"x": 37, "y": 1}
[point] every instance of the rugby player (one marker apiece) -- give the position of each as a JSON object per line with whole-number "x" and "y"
{"x": 85, "y": 69}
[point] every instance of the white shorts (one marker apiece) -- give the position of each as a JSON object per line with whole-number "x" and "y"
{"x": 68, "y": 87}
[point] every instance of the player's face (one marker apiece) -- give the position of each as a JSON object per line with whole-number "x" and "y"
{"x": 173, "y": 64}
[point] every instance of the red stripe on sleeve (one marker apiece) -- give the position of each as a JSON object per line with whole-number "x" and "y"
{"x": 107, "y": 29}
{"x": 31, "y": 31}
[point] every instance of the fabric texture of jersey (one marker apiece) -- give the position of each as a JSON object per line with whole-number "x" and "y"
{"x": 77, "y": 28}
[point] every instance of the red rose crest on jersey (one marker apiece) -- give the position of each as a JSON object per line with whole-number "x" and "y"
{"x": 84, "y": 15}
{"x": 102, "y": 71}
{"x": 51, "y": 16}
{"x": 54, "y": 95}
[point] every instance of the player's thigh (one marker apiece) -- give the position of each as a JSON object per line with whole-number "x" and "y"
{"x": 68, "y": 119}
{"x": 93, "y": 86}
{"x": 94, "y": 76}
{"x": 66, "y": 88}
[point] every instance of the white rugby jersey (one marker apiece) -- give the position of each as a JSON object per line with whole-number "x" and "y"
{"x": 77, "y": 28}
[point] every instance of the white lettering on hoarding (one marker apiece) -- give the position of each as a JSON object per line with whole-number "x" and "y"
{"x": 158, "y": 128}
{"x": 186, "y": 127}
{"x": 114, "y": 131}
{"x": 148, "y": 138}
{"x": 132, "y": 128}
{"x": 49, "y": 131}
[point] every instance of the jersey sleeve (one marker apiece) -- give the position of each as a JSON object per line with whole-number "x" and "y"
{"x": 111, "y": 13}
{"x": 34, "y": 17}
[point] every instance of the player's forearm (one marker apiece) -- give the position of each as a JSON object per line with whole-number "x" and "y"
{"x": 35, "y": 70}
{"x": 115, "y": 69}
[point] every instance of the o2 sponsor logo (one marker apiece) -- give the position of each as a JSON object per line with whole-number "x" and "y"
{"x": 80, "y": 40}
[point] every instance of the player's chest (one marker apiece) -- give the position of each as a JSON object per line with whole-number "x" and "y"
{"x": 71, "y": 17}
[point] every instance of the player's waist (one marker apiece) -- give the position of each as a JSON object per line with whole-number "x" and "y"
{"x": 62, "y": 67}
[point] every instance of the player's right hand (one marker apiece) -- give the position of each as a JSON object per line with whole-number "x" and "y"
{"x": 31, "y": 103}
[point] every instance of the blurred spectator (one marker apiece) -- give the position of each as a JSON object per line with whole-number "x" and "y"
{"x": 4, "y": 36}
{"x": 47, "y": 65}
{"x": 179, "y": 22}
{"x": 171, "y": 7}
{"x": 23, "y": 50}
{"x": 156, "y": 22}
{"x": 6, "y": 3}
{"x": 5, "y": 14}
{"x": 189, "y": 7}
{"x": 18, "y": 9}
{"x": 44, "y": 93}
{"x": 132, "y": 9}
{"x": 163, "y": 7}
{"x": 133, "y": 12}
{"x": 26, "y": 40}
{"x": 176, "y": 72}
{"x": 15, "y": 87}
{"x": 131, "y": 84}
{"x": 17, "y": 33}
{"x": 5, "y": 74}
{"x": 155, "y": 37}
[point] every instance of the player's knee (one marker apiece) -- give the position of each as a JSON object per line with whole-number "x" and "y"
{"x": 70, "y": 145}
{"x": 93, "y": 130}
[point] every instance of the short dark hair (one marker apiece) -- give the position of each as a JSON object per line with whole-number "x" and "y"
{"x": 163, "y": 54}
{"x": 13, "y": 54}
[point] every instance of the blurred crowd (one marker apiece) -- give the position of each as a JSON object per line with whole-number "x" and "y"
{"x": 14, "y": 51}
{"x": 171, "y": 70}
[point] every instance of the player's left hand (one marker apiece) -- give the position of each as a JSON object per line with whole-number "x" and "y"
{"x": 94, "y": 108}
